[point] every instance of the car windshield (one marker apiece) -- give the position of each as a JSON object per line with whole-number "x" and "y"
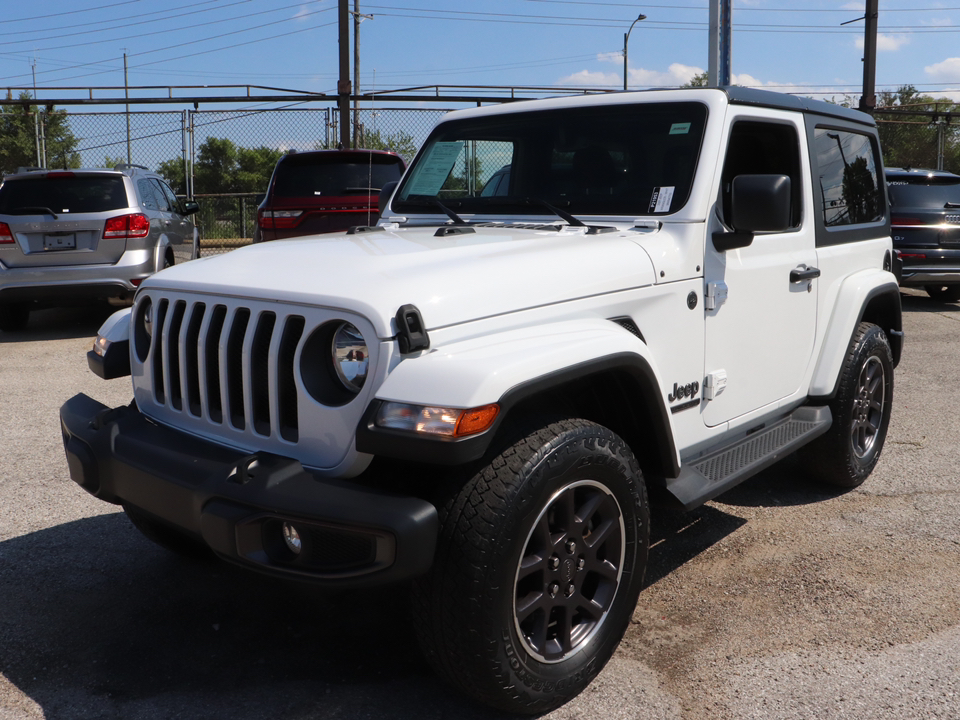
{"x": 63, "y": 194}
{"x": 333, "y": 175}
{"x": 631, "y": 159}
{"x": 928, "y": 192}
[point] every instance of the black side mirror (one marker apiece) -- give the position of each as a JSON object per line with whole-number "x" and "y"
{"x": 385, "y": 193}
{"x": 758, "y": 203}
{"x": 190, "y": 207}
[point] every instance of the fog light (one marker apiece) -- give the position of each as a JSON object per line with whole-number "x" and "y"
{"x": 292, "y": 538}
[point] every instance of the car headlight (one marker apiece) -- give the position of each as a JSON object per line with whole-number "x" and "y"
{"x": 350, "y": 357}
{"x": 143, "y": 328}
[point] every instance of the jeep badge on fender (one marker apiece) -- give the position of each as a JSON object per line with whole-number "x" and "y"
{"x": 467, "y": 399}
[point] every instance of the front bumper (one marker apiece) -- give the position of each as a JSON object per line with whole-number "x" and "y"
{"x": 237, "y": 504}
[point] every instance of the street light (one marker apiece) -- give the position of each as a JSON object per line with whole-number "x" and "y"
{"x": 626, "y": 39}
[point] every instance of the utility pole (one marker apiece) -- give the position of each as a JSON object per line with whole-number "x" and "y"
{"x": 344, "y": 89}
{"x": 126, "y": 94}
{"x": 36, "y": 114}
{"x": 720, "y": 46}
{"x": 868, "y": 100}
{"x": 358, "y": 18}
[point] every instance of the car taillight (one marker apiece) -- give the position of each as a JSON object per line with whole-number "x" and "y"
{"x": 6, "y": 237}
{"x": 136, "y": 225}
{"x": 911, "y": 256}
{"x": 278, "y": 219}
{"x": 895, "y": 221}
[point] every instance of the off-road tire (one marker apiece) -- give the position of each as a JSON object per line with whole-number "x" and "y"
{"x": 943, "y": 293}
{"x": 561, "y": 493}
{"x": 849, "y": 451}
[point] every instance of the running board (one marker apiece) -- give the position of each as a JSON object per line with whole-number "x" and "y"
{"x": 709, "y": 475}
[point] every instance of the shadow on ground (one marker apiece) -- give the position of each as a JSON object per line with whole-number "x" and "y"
{"x": 62, "y": 323}
{"x": 99, "y": 623}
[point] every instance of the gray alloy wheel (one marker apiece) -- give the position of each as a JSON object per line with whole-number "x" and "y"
{"x": 569, "y": 571}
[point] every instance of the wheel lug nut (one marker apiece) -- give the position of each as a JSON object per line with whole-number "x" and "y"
{"x": 571, "y": 588}
{"x": 553, "y": 589}
{"x": 581, "y": 564}
{"x": 554, "y": 562}
{"x": 571, "y": 546}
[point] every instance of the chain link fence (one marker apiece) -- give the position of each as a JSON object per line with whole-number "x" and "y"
{"x": 229, "y": 179}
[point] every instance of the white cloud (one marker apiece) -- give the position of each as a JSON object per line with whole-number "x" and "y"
{"x": 945, "y": 71}
{"x": 886, "y": 43}
{"x": 302, "y": 13}
{"x": 677, "y": 74}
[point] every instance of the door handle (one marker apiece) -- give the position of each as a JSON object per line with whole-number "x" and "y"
{"x": 802, "y": 273}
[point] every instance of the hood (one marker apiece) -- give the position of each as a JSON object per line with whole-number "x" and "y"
{"x": 451, "y": 279}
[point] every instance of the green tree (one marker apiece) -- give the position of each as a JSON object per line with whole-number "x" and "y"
{"x": 698, "y": 80}
{"x": 399, "y": 142}
{"x": 172, "y": 171}
{"x": 18, "y": 136}
{"x": 913, "y": 140}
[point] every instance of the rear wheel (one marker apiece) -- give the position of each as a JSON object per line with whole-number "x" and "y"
{"x": 539, "y": 565}
{"x": 14, "y": 316}
{"x": 849, "y": 451}
{"x": 943, "y": 293}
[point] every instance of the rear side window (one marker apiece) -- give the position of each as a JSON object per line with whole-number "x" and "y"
{"x": 67, "y": 194}
{"x": 849, "y": 177}
{"x": 149, "y": 192}
{"x": 319, "y": 177}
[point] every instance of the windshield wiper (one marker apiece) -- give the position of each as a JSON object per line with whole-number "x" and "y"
{"x": 562, "y": 214}
{"x": 433, "y": 202}
{"x": 361, "y": 189}
{"x": 32, "y": 210}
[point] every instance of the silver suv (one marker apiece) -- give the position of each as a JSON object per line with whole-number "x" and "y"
{"x": 76, "y": 234}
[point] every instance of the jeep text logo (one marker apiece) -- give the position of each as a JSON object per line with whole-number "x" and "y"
{"x": 684, "y": 391}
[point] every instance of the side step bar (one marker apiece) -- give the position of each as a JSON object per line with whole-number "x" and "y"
{"x": 709, "y": 475}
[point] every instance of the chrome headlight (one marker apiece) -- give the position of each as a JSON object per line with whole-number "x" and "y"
{"x": 143, "y": 328}
{"x": 350, "y": 357}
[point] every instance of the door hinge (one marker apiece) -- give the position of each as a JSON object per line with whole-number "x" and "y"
{"x": 716, "y": 295}
{"x": 714, "y": 384}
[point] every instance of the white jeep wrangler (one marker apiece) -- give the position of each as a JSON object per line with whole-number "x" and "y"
{"x": 567, "y": 303}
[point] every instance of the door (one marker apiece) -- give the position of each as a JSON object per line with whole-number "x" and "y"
{"x": 761, "y": 337}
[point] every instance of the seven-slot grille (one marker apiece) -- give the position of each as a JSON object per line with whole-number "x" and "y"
{"x": 227, "y": 365}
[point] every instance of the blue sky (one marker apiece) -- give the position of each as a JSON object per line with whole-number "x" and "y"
{"x": 791, "y": 46}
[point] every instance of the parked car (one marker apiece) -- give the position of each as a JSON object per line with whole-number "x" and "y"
{"x": 925, "y": 225}
{"x": 91, "y": 233}
{"x": 324, "y": 191}
{"x": 676, "y": 289}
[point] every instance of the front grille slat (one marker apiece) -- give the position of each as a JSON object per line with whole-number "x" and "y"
{"x": 159, "y": 352}
{"x": 237, "y": 370}
{"x": 191, "y": 358}
{"x": 260, "y": 353}
{"x": 286, "y": 395}
{"x": 212, "y": 352}
{"x": 174, "y": 354}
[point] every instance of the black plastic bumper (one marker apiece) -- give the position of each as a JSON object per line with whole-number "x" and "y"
{"x": 237, "y": 504}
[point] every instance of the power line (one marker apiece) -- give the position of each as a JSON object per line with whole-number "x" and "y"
{"x": 69, "y": 12}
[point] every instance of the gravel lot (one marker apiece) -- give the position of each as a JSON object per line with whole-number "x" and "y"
{"x": 779, "y": 600}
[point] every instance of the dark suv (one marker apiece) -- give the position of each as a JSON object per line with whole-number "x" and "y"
{"x": 324, "y": 191}
{"x": 86, "y": 233}
{"x": 925, "y": 225}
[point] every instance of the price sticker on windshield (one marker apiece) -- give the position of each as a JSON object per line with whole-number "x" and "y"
{"x": 433, "y": 172}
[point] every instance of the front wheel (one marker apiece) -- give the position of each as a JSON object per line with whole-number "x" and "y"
{"x": 539, "y": 565}
{"x": 849, "y": 451}
{"x": 943, "y": 293}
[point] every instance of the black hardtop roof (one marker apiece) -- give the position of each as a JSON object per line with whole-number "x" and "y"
{"x": 765, "y": 98}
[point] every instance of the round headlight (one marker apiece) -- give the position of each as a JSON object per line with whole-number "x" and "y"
{"x": 350, "y": 357}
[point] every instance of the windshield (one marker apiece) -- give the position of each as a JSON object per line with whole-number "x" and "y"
{"x": 932, "y": 193}
{"x": 602, "y": 160}
{"x": 324, "y": 175}
{"x": 64, "y": 194}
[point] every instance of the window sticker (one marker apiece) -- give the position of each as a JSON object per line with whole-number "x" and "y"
{"x": 661, "y": 199}
{"x": 434, "y": 170}
{"x": 680, "y": 128}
